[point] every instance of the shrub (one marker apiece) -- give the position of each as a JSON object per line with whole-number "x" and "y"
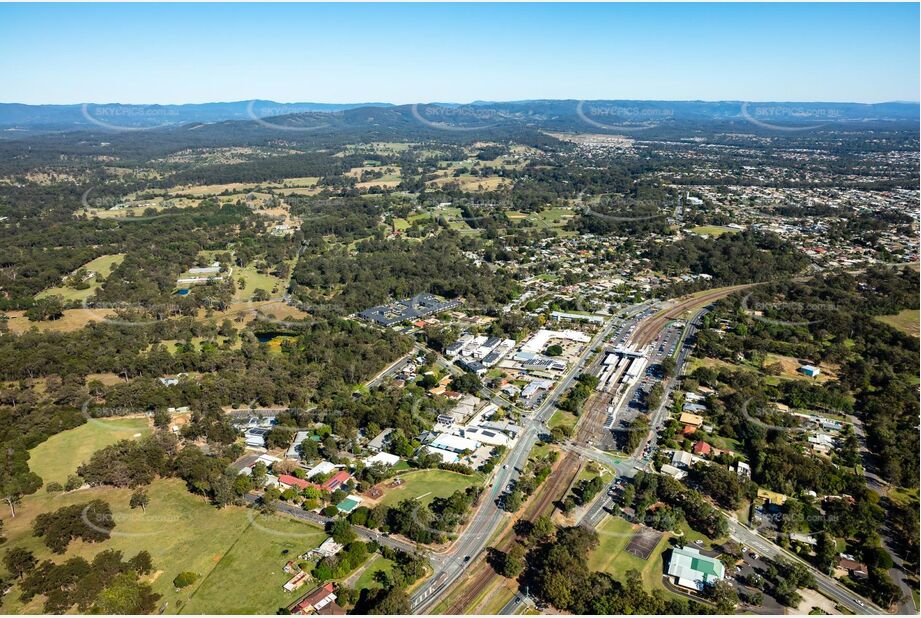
{"x": 186, "y": 578}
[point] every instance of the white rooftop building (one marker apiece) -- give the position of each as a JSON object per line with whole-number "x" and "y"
{"x": 381, "y": 458}
{"x": 456, "y": 444}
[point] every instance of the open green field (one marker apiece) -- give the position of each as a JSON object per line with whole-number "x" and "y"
{"x": 366, "y": 579}
{"x": 61, "y": 454}
{"x": 102, "y": 265}
{"x": 174, "y": 345}
{"x": 426, "y": 485}
{"x": 182, "y": 532}
{"x": 906, "y": 321}
{"x": 253, "y": 280}
{"x": 562, "y": 418}
{"x": 610, "y": 556}
{"x": 248, "y": 578}
{"x": 453, "y": 216}
{"x": 713, "y": 230}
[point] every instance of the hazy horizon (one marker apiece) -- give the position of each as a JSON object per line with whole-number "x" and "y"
{"x": 372, "y": 101}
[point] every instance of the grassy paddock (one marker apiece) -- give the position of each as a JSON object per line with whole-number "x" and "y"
{"x": 906, "y": 321}
{"x": 248, "y": 577}
{"x": 426, "y": 485}
{"x": 610, "y": 556}
{"x": 366, "y": 579}
{"x": 236, "y": 553}
{"x": 61, "y": 454}
{"x": 102, "y": 265}
{"x": 713, "y": 230}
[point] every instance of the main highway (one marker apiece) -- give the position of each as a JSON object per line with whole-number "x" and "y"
{"x": 488, "y": 516}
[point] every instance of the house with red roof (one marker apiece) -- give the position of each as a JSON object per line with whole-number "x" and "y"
{"x": 336, "y": 481}
{"x": 292, "y": 481}
{"x": 315, "y": 600}
{"x": 702, "y": 448}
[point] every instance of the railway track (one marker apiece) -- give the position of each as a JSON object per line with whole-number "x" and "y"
{"x": 482, "y": 572}
{"x": 589, "y": 427}
{"x": 653, "y": 325}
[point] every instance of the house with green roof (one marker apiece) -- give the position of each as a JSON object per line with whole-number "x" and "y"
{"x": 692, "y": 570}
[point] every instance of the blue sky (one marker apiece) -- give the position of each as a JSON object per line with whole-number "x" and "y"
{"x": 401, "y": 53}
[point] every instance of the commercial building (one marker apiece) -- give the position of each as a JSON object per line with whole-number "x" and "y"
{"x": 419, "y": 306}
{"x": 385, "y": 459}
{"x": 455, "y": 444}
{"x": 486, "y": 436}
{"x": 692, "y": 570}
{"x": 695, "y": 420}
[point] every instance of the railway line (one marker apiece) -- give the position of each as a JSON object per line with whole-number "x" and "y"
{"x": 653, "y": 325}
{"x": 589, "y": 429}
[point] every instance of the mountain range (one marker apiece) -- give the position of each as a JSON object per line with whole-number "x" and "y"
{"x": 601, "y": 115}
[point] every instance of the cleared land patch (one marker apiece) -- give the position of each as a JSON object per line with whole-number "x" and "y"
{"x": 248, "y": 578}
{"x": 713, "y": 230}
{"x": 61, "y": 454}
{"x": 906, "y": 321}
{"x": 426, "y": 485}
{"x": 612, "y": 555}
{"x": 102, "y": 266}
{"x": 182, "y": 532}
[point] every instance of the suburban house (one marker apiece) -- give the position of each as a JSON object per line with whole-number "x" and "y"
{"x": 286, "y": 480}
{"x": 315, "y": 600}
{"x": 326, "y": 549}
{"x": 380, "y": 441}
{"x": 336, "y": 481}
{"x": 701, "y": 448}
{"x": 297, "y": 581}
{"x": 857, "y": 570}
{"x": 385, "y": 459}
{"x": 331, "y": 484}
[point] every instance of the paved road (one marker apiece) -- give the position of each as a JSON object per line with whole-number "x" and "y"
{"x": 394, "y": 367}
{"x": 625, "y": 466}
{"x": 322, "y": 520}
{"x": 824, "y": 584}
{"x": 486, "y": 519}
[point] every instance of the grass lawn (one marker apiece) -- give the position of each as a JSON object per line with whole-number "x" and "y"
{"x": 552, "y": 217}
{"x": 903, "y": 495}
{"x": 102, "y": 265}
{"x": 182, "y": 532}
{"x": 614, "y": 535}
{"x": 255, "y": 280}
{"x": 426, "y": 485}
{"x": 248, "y": 577}
{"x": 714, "y": 363}
{"x": 713, "y": 230}
{"x": 61, "y": 454}
{"x": 174, "y": 345}
{"x": 562, "y": 417}
{"x": 366, "y": 579}
{"x": 906, "y": 321}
